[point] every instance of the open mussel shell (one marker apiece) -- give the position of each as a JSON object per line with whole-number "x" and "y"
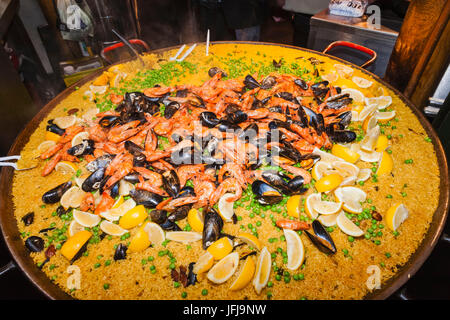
{"x": 146, "y": 198}
{"x": 34, "y": 244}
{"x": 342, "y": 136}
{"x": 251, "y": 82}
{"x": 85, "y": 147}
{"x": 234, "y": 114}
{"x": 121, "y": 252}
{"x": 209, "y": 119}
{"x": 344, "y": 119}
{"x": 158, "y": 216}
{"x": 301, "y": 83}
{"x": 28, "y": 219}
{"x": 169, "y": 225}
{"x": 186, "y": 191}
{"x": 101, "y": 162}
{"x": 320, "y": 89}
{"x": 265, "y": 193}
{"x": 338, "y": 101}
{"x": 94, "y": 181}
{"x": 55, "y": 194}
{"x": 55, "y": 129}
{"x": 276, "y": 179}
{"x": 295, "y": 185}
{"x": 213, "y": 224}
{"x": 171, "y": 183}
{"x": 249, "y": 133}
{"x": 170, "y": 109}
{"x": 225, "y": 125}
{"x": 215, "y": 70}
{"x": 321, "y": 238}
{"x": 179, "y": 213}
{"x": 268, "y": 82}
{"x": 109, "y": 121}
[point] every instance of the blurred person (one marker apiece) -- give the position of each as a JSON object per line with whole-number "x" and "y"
{"x": 302, "y": 11}
{"x": 242, "y": 17}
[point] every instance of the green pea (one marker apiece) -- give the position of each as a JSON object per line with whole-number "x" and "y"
{"x": 204, "y": 292}
{"x": 106, "y": 286}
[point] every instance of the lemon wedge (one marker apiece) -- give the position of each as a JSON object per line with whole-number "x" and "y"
{"x": 125, "y": 187}
{"x": 74, "y": 228}
{"x": 225, "y": 207}
{"x": 79, "y": 137}
{"x": 98, "y": 89}
{"x": 370, "y": 122}
{"x": 86, "y": 219}
{"x": 224, "y": 269}
{"x": 346, "y": 169}
{"x": 329, "y": 182}
{"x": 195, "y": 220}
{"x": 116, "y": 213}
{"x": 183, "y": 236}
{"x": 52, "y": 136}
{"x": 204, "y": 263}
{"x": 382, "y": 143}
{"x": 381, "y": 102}
{"x": 319, "y": 169}
{"x": 328, "y": 220}
{"x": 361, "y": 82}
{"x": 65, "y": 122}
{"x": 295, "y": 249}
{"x": 263, "y": 267}
{"x": 371, "y": 156}
{"x": 66, "y": 167}
{"x": 343, "y": 70}
{"x": 366, "y": 112}
{"x": 351, "y": 197}
{"x": 396, "y": 215}
{"x": 330, "y": 77}
{"x": 90, "y": 115}
{"x": 133, "y": 217}
{"x": 101, "y": 80}
{"x": 140, "y": 241}
{"x": 118, "y": 203}
{"x": 344, "y": 153}
{"x": 220, "y": 248}
{"x": 74, "y": 244}
{"x": 112, "y": 228}
{"x": 327, "y": 207}
{"x": 72, "y": 198}
{"x": 250, "y": 239}
{"x": 309, "y": 204}
{"x": 45, "y": 145}
{"x": 325, "y": 156}
{"x": 293, "y": 206}
{"x": 245, "y": 276}
{"x": 356, "y": 95}
{"x": 155, "y": 233}
{"x": 385, "y": 116}
{"x": 369, "y": 141}
{"x": 386, "y": 164}
{"x": 363, "y": 174}
{"x": 347, "y": 226}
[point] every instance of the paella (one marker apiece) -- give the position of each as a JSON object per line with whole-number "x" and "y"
{"x": 253, "y": 172}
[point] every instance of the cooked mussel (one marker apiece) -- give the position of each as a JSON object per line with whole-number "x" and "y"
{"x": 85, "y": 147}
{"x": 186, "y": 191}
{"x": 315, "y": 120}
{"x": 321, "y": 238}
{"x": 342, "y": 136}
{"x": 284, "y": 95}
{"x": 179, "y": 213}
{"x": 55, "y": 129}
{"x": 171, "y": 183}
{"x": 338, "y": 101}
{"x": 28, "y": 218}
{"x": 101, "y": 162}
{"x": 249, "y": 133}
{"x": 276, "y": 180}
{"x": 320, "y": 89}
{"x": 209, "y": 119}
{"x": 146, "y": 198}
{"x": 295, "y": 185}
{"x": 158, "y": 216}
{"x": 251, "y": 82}
{"x": 55, "y": 194}
{"x": 109, "y": 121}
{"x": 34, "y": 244}
{"x": 265, "y": 193}
{"x": 268, "y": 82}
{"x": 301, "y": 83}
{"x": 192, "y": 277}
{"x": 225, "y": 125}
{"x": 344, "y": 119}
{"x": 121, "y": 252}
{"x": 170, "y": 109}
{"x": 213, "y": 224}
{"x": 94, "y": 181}
{"x": 170, "y": 226}
{"x": 215, "y": 70}
{"x": 234, "y": 114}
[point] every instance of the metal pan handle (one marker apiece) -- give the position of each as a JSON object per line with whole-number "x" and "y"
{"x": 121, "y": 44}
{"x": 9, "y": 266}
{"x": 358, "y": 47}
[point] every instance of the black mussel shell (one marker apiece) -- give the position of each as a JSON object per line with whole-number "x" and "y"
{"x": 55, "y": 194}
{"x": 185, "y": 156}
{"x": 234, "y": 114}
{"x": 179, "y": 213}
{"x": 285, "y": 95}
{"x": 344, "y": 119}
{"x": 28, "y": 218}
{"x": 85, "y": 147}
{"x": 276, "y": 109}
{"x": 321, "y": 238}
{"x": 249, "y": 133}
{"x": 158, "y": 216}
{"x": 101, "y": 162}
{"x": 295, "y": 185}
{"x": 343, "y": 136}
{"x": 209, "y": 119}
{"x": 278, "y": 64}
{"x": 320, "y": 89}
{"x": 288, "y": 151}
{"x": 80, "y": 252}
{"x": 132, "y": 178}
{"x": 170, "y": 109}
{"x": 265, "y": 193}
{"x": 225, "y": 125}
{"x": 315, "y": 120}
{"x": 114, "y": 190}
{"x": 192, "y": 277}
{"x": 121, "y": 252}
{"x": 182, "y": 93}
{"x": 338, "y": 101}
{"x": 146, "y": 198}
{"x": 251, "y": 82}
{"x": 34, "y": 244}
{"x": 301, "y": 83}
{"x": 186, "y": 191}
{"x": 276, "y": 180}
{"x": 170, "y": 226}
{"x": 109, "y": 121}
{"x": 102, "y": 184}
{"x": 55, "y": 129}
{"x": 93, "y": 182}
{"x": 214, "y": 70}
{"x": 268, "y": 82}
{"x": 171, "y": 183}
{"x": 213, "y": 224}
{"x": 136, "y": 151}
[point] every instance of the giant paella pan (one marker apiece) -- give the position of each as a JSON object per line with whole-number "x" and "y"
{"x": 258, "y": 171}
